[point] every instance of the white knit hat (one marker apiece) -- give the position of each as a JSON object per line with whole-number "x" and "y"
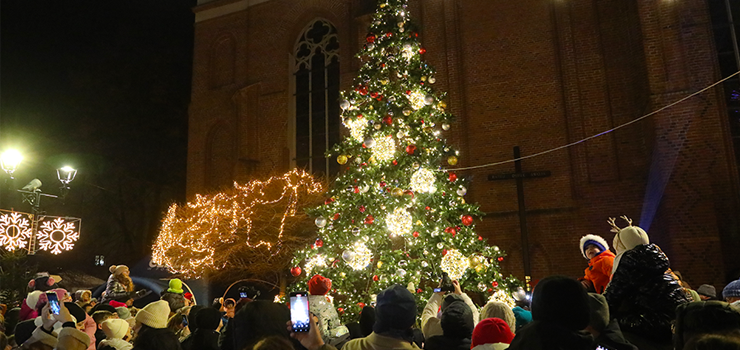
{"x": 630, "y": 237}
{"x": 155, "y": 314}
{"x": 595, "y": 240}
{"x": 33, "y": 298}
{"x": 114, "y": 328}
{"x": 72, "y": 339}
{"x": 117, "y": 269}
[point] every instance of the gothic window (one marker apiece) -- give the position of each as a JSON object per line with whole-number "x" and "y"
{"x": 316, "y": 73}
{"x": 219, "y": 157}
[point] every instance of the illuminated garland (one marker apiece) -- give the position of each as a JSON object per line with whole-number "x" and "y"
{"x": 192, "y": 235}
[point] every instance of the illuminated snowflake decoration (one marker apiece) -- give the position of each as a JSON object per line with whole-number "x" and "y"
{"x": 356, "y": 128}
{"x": 362, "y": 256}
{"x": 15, "y": 230}
{"x": 423, "y": 181}
{"x": 384, "y": 149}
{"x": 455, "y": 264}
{"x": 399, "y": 222}
{"x": 316, "y": 261}
{"x": 417, "y": 100}
{"x": 57, "y": 235}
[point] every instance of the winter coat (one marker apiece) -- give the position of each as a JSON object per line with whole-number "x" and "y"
{"x": 114, "y": 290}
{"x": 90, "y": 329}
{"x": 544, "y": 335}
{"x": 202, "y": 339}
{"x": 643, "y": 294}
{"x": 457, "y": 327}
{"x": 612, "y": 337}
{"x": 375, "y": 341}
{"x": 331, "y": 328}
{"x": 599, "y": 270}
{"x": 431, "y": 325}
{"x": 115, "y": 344}
{"x": 27, "y": 313}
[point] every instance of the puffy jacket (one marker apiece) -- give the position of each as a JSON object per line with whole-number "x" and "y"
{"x": 114, "y": 290}
{"x": 331, "y": 328}
{"x": 599, "y": 270}
{"x": 643, "y": 294}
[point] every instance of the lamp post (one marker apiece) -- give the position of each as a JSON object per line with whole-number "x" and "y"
{"x": 32, "y": 193}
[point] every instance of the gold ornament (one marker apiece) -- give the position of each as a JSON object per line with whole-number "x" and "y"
{"x": 452, "y": 160}
{"x": 442, "y": 104}
{"x": 380, "y": 264}
{"x": 397, "y": 192}
{"x": 342, "y": 159}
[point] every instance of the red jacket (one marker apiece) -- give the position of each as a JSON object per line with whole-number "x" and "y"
{"x": 599, "y": 270}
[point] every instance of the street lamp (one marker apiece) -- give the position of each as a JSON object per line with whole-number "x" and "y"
{"x": 10, "y": 160}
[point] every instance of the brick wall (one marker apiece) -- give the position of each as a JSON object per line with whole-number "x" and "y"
{"x": 528, "y": 73}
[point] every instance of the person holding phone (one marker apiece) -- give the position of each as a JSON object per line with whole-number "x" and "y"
{"x": 431, "y": 319}
{"x": 69, "y": 337}
{"x": 330, "y": 326}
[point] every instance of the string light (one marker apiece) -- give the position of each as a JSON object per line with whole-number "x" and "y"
{"x": 57, "y": 235}
{"x": 356, "y": 127}
{"x": 455, "y": 264}
{"x": 15, "y": 230}
{"x": 399, "y": 222}
{"x": 191, "y": 234}
{"x": 501, "y": 296}
{"x": 417, "y": 100}
{"x": 384, "y": 149}
{"x": 316, "y": 261}
{"x": 361, "y": 257}
{"x": 423, "y": 181}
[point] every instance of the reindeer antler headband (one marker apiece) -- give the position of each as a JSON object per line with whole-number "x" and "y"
{"x": 612, "y": 222}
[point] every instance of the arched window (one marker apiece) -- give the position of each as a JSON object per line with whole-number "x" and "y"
{"x": 316, "y": 73}
{"x": 219, "y": 157}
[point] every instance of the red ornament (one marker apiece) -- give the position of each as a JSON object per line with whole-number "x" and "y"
{"x": 408, "y": 92}
{"x": 480, "y": 238}
{"x": 376, "y": 278}
{"x": 388, "y": 120}
{"x": 453, "y": 177}
{"x": 409, "y": 192}
{"x": 444, "y": 252}
{"x": 422, "y": 51}
{"x": 380, "y": 97}
{"x": 467, "y": 220}
{"x": 319, "y": 243}
{"x": 356, "y": 189}
{"x": 389, "y": 34}
{"x": 336, "y": 216}
{"x": 419, "y": 290}
{"x": 450, "y": 230}
{"x": 395, "y": 162}
{"x": 500, "y": 259}
{"x": 416, "y": 234}
{"x": 494, "y": 284}
{"x": 369, "y": 220}
{"x": 427, "y": 208}
{"x": 382, "y": 184}
{"x": 490, "y": 290}
{"x": 296, "y": 271}
{"x": 373, "y": 94}
{"x": 341, "y": 310}
{"x": 361, "y": 304}
{"x": 411, "y": 149}
{"x": 370, "y": 38}
{"x": 328, "y": 201}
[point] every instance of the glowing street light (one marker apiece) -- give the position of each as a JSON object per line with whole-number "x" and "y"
{"x": 66, "y": 174}
{"x": 9, "y": 161}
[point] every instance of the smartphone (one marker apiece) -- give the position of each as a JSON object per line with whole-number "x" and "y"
{"x": 603, "y": 347}
{"x": 53, "y": 302}
{"x": 299, "y": 311}
{"x": 437, "y": 290}
{"x": 243, "y": 295}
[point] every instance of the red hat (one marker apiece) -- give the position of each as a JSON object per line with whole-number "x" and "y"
{"x": 319, "y": 285}
{"x": 188, "y": 296}
{"x": 116, "y": 303}
{"x": 490, "y": 331}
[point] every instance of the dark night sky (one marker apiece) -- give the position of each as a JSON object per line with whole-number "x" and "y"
{"x": 104, "y": 86}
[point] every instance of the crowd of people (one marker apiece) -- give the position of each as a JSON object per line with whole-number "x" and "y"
{"x": 628, "y": 300}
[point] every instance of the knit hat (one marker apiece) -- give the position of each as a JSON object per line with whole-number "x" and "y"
{"x": 491, "y": 331}
{"x": 75, "y": 311}
{"x": 707, "y": 290}
{"x": 43, "y": 299}
{"x": 116, "y": 304}
{"x": 155, "y": 314}
{"x": 43, "y": 283}
{"x": 599, "y": 311}
{"x": 628, "y": 237}
{"x": 561, "y": 300}
{"x": 319, "y": 285}
{"x": 175, "y": 286}
{"x": 457, "y": 320}
{"x": 395, "y": 310}
{"x": 731, "y": 290}
{"x": 207, "y": 318}
{"x": 499, "y": 310}
{"x": 123, "y": 312}
{"x": 72, "y": 339}
{"x": 188, "y": 296}
{"x": 117, "y": 269}
{"x": 33, "y": 298}
{"x": 114, "y": 328}
{"x": 595, "y": 240}
{"x": 23, "y": 330}
{"x": 103, "y": 307}
{"x": 449, "y": 299}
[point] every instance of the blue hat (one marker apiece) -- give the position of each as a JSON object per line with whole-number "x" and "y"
{"x": 732, "y": 290}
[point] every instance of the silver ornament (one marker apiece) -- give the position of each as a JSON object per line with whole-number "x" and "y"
{"x": 428, "y": 99}
{"x": 369, "y": 142}
{"x": 370, "y": 46}
{"x": 344, "y": 104}
{"x": 462, "y": 191}
{"x": 401, "y": 272}
{"x": 424, "y": 263}
{"x": 432, "y": 80}
{"x": 445, "y": 126}
{"x": 320, "y": 221}
{"x": 440, "y": 245}
{"x": 358, "y": 160}
{"x": 348, "y": 256}
{"x": 377, "y": 126}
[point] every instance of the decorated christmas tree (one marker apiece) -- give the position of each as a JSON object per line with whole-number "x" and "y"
{"x": 394, "y": 214}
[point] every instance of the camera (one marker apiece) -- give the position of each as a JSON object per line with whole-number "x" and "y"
{"x": 446, "y": 284}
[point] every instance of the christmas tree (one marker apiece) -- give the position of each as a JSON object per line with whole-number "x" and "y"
{"x": 394, "y": 215}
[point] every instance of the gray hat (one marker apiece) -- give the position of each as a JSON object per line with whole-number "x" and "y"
{"x": 707, "y": 290}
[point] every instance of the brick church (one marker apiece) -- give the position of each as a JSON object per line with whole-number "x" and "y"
{"x": 537, "y": 74}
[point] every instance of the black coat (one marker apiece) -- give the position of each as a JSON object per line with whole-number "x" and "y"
{"x": 545, "y": 335}
{"x": 643, "y": 294}
{"x": 457, "y": 327}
